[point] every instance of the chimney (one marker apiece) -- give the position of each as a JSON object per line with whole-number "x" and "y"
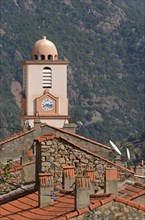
{"x": 91, "y": 174}
{"x": 82, "y": 195}
{"x": 45, "y": 189}
{"x": 68, "y": 177}
{"x": 70, "y": 127}
{"x": 140, "y": 169}
{"x": 118, "y": 160}
{"x": 37, "y": 127}
{"x": 27, "y": 156}
{"x": 28, "y": 163}
{"x": 111, "y": 181}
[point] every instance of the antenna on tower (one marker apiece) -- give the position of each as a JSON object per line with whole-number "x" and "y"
{"x": 115, "y": 147}
{"x": 43, "y": 24}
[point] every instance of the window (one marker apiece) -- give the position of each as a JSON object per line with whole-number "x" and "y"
{"x": 47, "y": 77}
{"x": 50, "y": 57}
{"x": 35, "y": 57}
{"x": 42, "y": 57}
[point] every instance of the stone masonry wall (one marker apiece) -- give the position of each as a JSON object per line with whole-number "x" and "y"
{"x": 53, "y": 154}
{"x": 83, "y": 142}
{"x": 16, "y": 180}
{"x": 113, "y": 211}
{"x": 12, "y": 149}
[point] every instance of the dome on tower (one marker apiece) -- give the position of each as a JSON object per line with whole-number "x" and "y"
{"x": 44, "y": 50}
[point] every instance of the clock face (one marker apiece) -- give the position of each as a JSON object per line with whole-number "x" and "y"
{"x": 47, "y": 104}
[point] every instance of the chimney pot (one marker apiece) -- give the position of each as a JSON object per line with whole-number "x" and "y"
{"x": 91, "y": 174}
{"x": 111, "y": 181}
{"x": 68, "y": 177}
{"x": 82, "y": 195}
{"x": 45, "y": 189}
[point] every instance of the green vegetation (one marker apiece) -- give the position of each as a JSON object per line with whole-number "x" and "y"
{"x": 105, "y": 46}
{"x": 5, "y": 168}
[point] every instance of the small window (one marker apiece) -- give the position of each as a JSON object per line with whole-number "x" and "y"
{"x": 35, "y": 57}
{"x": 42, "y": 57}
{"x": 50, "y": 57}
{"x": 47, "y": 77}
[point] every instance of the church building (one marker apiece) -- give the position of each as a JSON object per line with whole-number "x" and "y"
{"x": 45, "y": 86}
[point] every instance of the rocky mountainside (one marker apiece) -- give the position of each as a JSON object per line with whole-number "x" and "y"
{"x": 104, "y": 42}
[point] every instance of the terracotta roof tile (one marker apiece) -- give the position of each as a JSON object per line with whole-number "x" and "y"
{"x": 82, "y": 211}
{"x": 5, "y": 218}
{"x": 133, "y": 188}
{"x": 141, "y": 192}
{"x": 133, "y": 196}
{"x": 106, "y": 200}
{"x": 62, "y": 208}
{"x": 26, "y": 207}
{"x": 127, "y": 192}
{"x": 71, "y": 214}
{"x": 17, "y": 203}
{"x": 27, "y": 203}
{"x": 130, "y": 203}
{"x": 61, "y": 218}
{"x": 94, "y": 206}
{"x": 141, "y": 207}
{"x": 133, "y": 204}
{"x": 131, "y": 191}
{"x": 122, "y": 200}
{"x": 18, "y": 216}
{"x": 4, "y": 211}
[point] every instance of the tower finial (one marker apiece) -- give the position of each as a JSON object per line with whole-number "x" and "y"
{"x": 43, "y": 24}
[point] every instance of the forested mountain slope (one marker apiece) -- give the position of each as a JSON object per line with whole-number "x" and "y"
{"x": 104, "y": 42}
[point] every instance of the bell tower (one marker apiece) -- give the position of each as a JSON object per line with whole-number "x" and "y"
{"x": 45, "y": 86}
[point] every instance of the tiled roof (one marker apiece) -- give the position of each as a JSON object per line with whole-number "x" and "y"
{"x": 47, "y": 137}
{"x": 14, "y": 136}
{"x": 26, "y": 207}
{"x": 131, "y": 191}
{"x": 62, "y": 208}
{"x": 14, "y": 194}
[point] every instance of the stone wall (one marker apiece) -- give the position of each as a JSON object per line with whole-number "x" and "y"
{"x": 83, "y": 142}
{"x": 22, "y": 175}
{"x": 52, "y": 154}
{"x": 16, "y": 180}
{"x": 13, "y": 149}
{"x": 113, "y": 211}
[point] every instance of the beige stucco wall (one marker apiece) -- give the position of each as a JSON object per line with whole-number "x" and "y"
{"x": 34, "y": 87}
{"x": 58, "y": 123}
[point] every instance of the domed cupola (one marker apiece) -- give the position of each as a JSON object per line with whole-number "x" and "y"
{"x": 44, "y": 50}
